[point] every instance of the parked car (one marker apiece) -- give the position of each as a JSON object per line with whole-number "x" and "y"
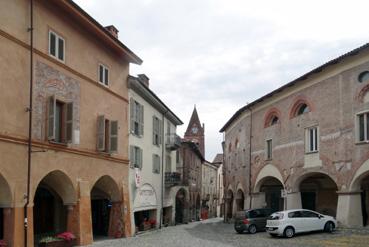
{"x": 252, "y": 220}
{"x": 288, "y": 223}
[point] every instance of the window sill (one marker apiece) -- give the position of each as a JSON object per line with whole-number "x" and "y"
{"x": 136, "y": 135}
{"x": 103, "y": 84}
{"x": 362, "y": 142}
{"x": 270, "y": 159}
{"x": 311, "y": 152}
{"x": 65, "y": 144}
{"x": 56, "y": 58}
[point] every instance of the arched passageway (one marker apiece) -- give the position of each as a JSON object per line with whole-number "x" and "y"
{"x": 272, "y": 187}
{"x": 365, "y": 200}
{"x": 105, "y": 198}
{"x": 54, "y": 192}
{"x": 180, "y": 206}
{"x": 318, "y": 193}
{"x": 240, "y": 200}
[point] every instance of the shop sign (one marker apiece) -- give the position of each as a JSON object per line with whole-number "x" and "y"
{"x": 137, "y": 178}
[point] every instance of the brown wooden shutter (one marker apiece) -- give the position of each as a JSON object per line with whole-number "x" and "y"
{"x": 69, "y": 123}
{"x": 113, "y": 136}
{"x": 51, "y": 118}
{"x": 101, "y": 133}
{"x": 141, "y": 120}
{"x": 132, "y": 114}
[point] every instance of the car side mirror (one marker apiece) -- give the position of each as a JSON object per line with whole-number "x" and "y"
{"x": 320, "y": 216}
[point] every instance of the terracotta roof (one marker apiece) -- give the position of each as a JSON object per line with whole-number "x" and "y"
{"x": 218, "y": 158}
{"x": 292, "y": 83}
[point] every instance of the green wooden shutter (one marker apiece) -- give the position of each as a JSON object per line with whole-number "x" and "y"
{"x": 141, "y": 120}
{"x": 140, "y": 158}
{"x": 101, "y": 133}
{"x": 132, "y": 114}
{"x": 69, "y": 123}
{"x": 153, "y": 130}
{"x": 113, "y": 136}
{"x": 51, "y": 118}
{"x": 160, "y": 131}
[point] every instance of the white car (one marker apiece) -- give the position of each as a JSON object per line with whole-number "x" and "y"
{"x": 288, "y": 223}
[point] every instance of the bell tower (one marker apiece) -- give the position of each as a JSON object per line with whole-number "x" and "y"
{"x": 196, "y": 132}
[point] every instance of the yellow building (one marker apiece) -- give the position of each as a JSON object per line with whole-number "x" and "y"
{"x": 79, "y": 154}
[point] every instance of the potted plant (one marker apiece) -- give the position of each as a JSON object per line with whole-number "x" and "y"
{"x": 152, "y": 223}
{"x": 3, "y": 243}
{"x": 68, "y": 237}
{"x": 51, "y": 241}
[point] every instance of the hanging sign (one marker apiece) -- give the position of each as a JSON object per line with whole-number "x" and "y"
{"x": 137, "y": 177}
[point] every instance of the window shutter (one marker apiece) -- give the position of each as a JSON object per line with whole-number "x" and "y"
{"x": 141, "y": 120}
{"x": 51, "y": 118}
{"x": 113, "y": 136}
{"x": 132, "y": 114}
{"x": 140, "y": 158}
{"x": 69, "y": 123}
{"x": 132, "y": 156}
{"x": 101, "y": 133}
{"x": 153, "y": 130}
{"x": 160, "y": 131}
{"x": 154, "y": 163}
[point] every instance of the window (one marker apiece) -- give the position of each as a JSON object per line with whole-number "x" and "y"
{"x": 363, "y": 76}
{"x": 60, "y": 121}
{"x": 56, "y": 46}
{"x": 269, "y": 147}
{"x": 107, "y": 135}
{"x": 136, "y": 157}
{"x": 155, "y": 163}
{"x": 303, "y": 108}
{"x": 296, "y": 214}
{"x": 274, "y": 120}
{"x": 168, "y": 163}
{"x": 312, "y": 139}
{"x": 363, "y": 127}
{"x": 156, "y": 131}
{"x": 309, "y": 214}
{"x": 103, "y": 75}
{"x": 137, "y": 117}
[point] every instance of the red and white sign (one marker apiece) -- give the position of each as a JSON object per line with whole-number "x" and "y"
{"x": 137, "y": 177}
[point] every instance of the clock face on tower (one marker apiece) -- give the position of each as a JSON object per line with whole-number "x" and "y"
{"x": 194, "y": 129}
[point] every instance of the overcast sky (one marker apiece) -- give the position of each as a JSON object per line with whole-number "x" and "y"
{"x": 221, "y": 54}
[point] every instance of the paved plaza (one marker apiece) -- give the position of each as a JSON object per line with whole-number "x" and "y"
{"x": 215, "y": 233}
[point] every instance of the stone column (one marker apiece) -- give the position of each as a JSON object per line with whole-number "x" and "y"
{"x": 8, "y": 221}
{"x": 293, "y": 200}
{"x": 83, "y": 214}
{"x": 349, "y": 211}
{"x": 258, "y": 200}
{"x": 126, "y": 210}
{"x": 17, "y": 238}
{"x": 72, "y": 219}
{"x": 116, "y": 225}
{"x": 30, "y": 232}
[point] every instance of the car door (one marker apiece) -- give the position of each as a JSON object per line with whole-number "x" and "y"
{"x": 295, "y": 219}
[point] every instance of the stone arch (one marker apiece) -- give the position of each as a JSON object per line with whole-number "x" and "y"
{"x": 266, "y": 172}
{"x": 270, "y": 115}
{"x": 5, "y": 193}
{"x": 240, "y": 199}
{"x": 363, "y": 95}
{"x": 61, "y": 184}
{"x": 107, "y": 186}
{"x": 360, "y": 173}
{"x": 296, "y": 183}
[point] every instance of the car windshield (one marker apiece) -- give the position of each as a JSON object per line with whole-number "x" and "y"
{"x": 276, "y": 216}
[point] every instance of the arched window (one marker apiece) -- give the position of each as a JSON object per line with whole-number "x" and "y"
{"x": 363, "y": 76}
{"x": 274, "y": 120}
{"x": 272, "y": 117}
{"x": 302, "y": 108}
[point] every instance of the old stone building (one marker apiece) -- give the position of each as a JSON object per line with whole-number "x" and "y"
{"x": 209, "y": 190}
{"x": 305, "y": 144}
{"x": 78, "y": 176}
{"x": 219, "y": 198}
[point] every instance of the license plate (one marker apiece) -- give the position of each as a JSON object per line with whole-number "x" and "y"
{"x": 270, "y": 228}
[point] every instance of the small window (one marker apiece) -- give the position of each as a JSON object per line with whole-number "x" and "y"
{"x": 312, "y": 139}
{"x": 136, "y": 157}
{"x": 269, "y": 147}
{"x": 296, "y": 214}
{"x": 364, "y": 76}
{"x": 363, "y": 127}
{"x": 303, "y": 108}
{"x": 56, "y": 46}
{"x": 137, "y": 118}
{"x": 103, "y": 75}
{"x": 107, "y": 135}
{"x": 274, "y": 120}
{"x": 60, "y": 121}
{"x": 156, "y": 163}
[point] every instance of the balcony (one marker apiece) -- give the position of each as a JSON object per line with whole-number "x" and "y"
{"x": 172, "y": 178}
{"x": 173, "y": 141}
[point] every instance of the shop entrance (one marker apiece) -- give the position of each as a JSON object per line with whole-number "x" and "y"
{"x": 145, "y": 220}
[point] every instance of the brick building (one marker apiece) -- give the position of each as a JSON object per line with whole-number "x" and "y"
{"x": 309, "y": 139}
{"x": 79, "y": 144}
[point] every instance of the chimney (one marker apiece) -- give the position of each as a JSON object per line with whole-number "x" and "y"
{"x": 112, "y": 30}
{"x": 144, "y": 79}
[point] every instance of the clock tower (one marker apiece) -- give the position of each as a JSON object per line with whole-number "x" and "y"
{"x": 196, "y": 132}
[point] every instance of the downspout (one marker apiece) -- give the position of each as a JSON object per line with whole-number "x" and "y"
{"x": 29, "y": 109}
{"x": 224, "y": 175}
{"x": 250, "y": 149}
{"x": 162, "y": 173}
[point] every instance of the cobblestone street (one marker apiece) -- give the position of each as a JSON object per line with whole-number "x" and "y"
{"x": 214, "y": 233}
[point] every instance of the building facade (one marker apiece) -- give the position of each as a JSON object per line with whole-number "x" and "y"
{"x": 306, "y": 144}
{"x": 78, "y": 156}
{"x": 209, "y": 190}
{"x": 153, "y": 144}
{"x": 218, "y": 161}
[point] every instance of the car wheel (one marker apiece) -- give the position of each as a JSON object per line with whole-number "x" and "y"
{"x": 239, "y": 231}
{"x": 328, "y": 227}
{"x": 289, "y": 232}
{"x": 252, "y": 229}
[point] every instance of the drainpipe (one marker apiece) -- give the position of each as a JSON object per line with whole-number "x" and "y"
{"x": 162, "y": 173}
{"x": 224, "y": 174}
{"x": 29, "y": 109}
{"x": 250, "y": 149}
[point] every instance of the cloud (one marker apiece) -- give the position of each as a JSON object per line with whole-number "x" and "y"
{"x": 221, "y": 54}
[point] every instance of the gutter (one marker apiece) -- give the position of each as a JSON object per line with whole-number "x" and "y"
{"x": 29, "y": 109}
